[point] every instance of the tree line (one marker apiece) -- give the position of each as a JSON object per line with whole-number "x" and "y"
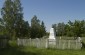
{"x": 12, "y": 23}
{"x": 71, "y": 29}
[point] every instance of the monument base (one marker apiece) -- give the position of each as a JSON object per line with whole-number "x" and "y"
{"x": 52, "y": 41}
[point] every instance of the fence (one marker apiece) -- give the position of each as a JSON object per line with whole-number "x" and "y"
{"x": 68, "y": 44}
{"x": 46, "y": 43}
{"x": 3, "y": 41}
{"x": 40, "y": 43}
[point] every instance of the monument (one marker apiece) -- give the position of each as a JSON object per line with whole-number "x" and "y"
{"x": 52, "y": 39}
{"x": 52, "y": 34}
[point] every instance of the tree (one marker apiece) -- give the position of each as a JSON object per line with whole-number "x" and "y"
{"x": 43, "y": 31}
{"x": 79, "y": 28}
{"x": 35, "y": 25}
{"x": 1, "y": 26}
{"x": 13, "y": 18}
{"x": 61, "y": 29}
{"x": 18, "y": 15}
{"x": 76, "y": 29}
{"x": 7, "y": 16}
{"x": 26, "y": 29}
{"x": 83, "y": 28}
{"x": 37, "y": 28}
{"x": 69, "y": 29}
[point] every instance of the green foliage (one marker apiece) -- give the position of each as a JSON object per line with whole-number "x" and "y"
{"x": 75, "y": 29}
{"x": 43, "y": 30}
{"x": 12, "y": 43}
{"x": 59, "y": 29}
{"x": 13, "y": 24}
{"x": 12, "y": 21}
{"x": 37, "y": 28}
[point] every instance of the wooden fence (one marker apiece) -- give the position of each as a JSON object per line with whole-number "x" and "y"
{"x": 3, "y": 41}
{"x": 46, "y": 43}
{"x": 68, "y": 44}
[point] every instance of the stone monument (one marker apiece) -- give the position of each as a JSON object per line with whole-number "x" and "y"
{"x": 52, "y": 39}
{"x": 52, "y": 34}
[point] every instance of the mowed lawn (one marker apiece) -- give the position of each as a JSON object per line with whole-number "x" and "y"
{"x": 37, "y": 51}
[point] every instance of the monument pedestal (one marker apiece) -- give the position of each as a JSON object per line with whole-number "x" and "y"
{"x": 52, "y": 41}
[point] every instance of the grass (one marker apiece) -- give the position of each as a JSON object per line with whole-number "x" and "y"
{"x": 54, "y": 51}
{"x": 37, "y": 51}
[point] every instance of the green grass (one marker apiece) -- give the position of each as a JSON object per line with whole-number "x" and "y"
{"x": 37, "y": 51}
{"x": 54, "y": 51}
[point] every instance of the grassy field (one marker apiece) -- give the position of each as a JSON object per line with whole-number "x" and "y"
{"x": 36, "y": 51}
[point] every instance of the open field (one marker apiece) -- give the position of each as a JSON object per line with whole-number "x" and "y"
{"x": 36, "y": 51}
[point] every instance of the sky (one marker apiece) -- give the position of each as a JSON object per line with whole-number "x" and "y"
{"x": 53, "y": 11}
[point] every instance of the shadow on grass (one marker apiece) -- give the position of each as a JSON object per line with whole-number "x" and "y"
{"x": 14, "y": 51}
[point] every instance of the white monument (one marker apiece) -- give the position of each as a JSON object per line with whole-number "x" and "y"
{"x": 52, "y": 39}
{"x": 52, "y": 34}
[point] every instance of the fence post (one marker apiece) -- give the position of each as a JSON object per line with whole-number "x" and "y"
{"x": 46, "y": 46}
{"x": 59, "y": 44}
{"x": 37, "y": 42}
{"x": 30, "y": 42}
{"x": 76, "y": 43}
{"x": 63, "y": 44}
{"x": 69, "y": 44}
{"x": 18, "y": 41}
